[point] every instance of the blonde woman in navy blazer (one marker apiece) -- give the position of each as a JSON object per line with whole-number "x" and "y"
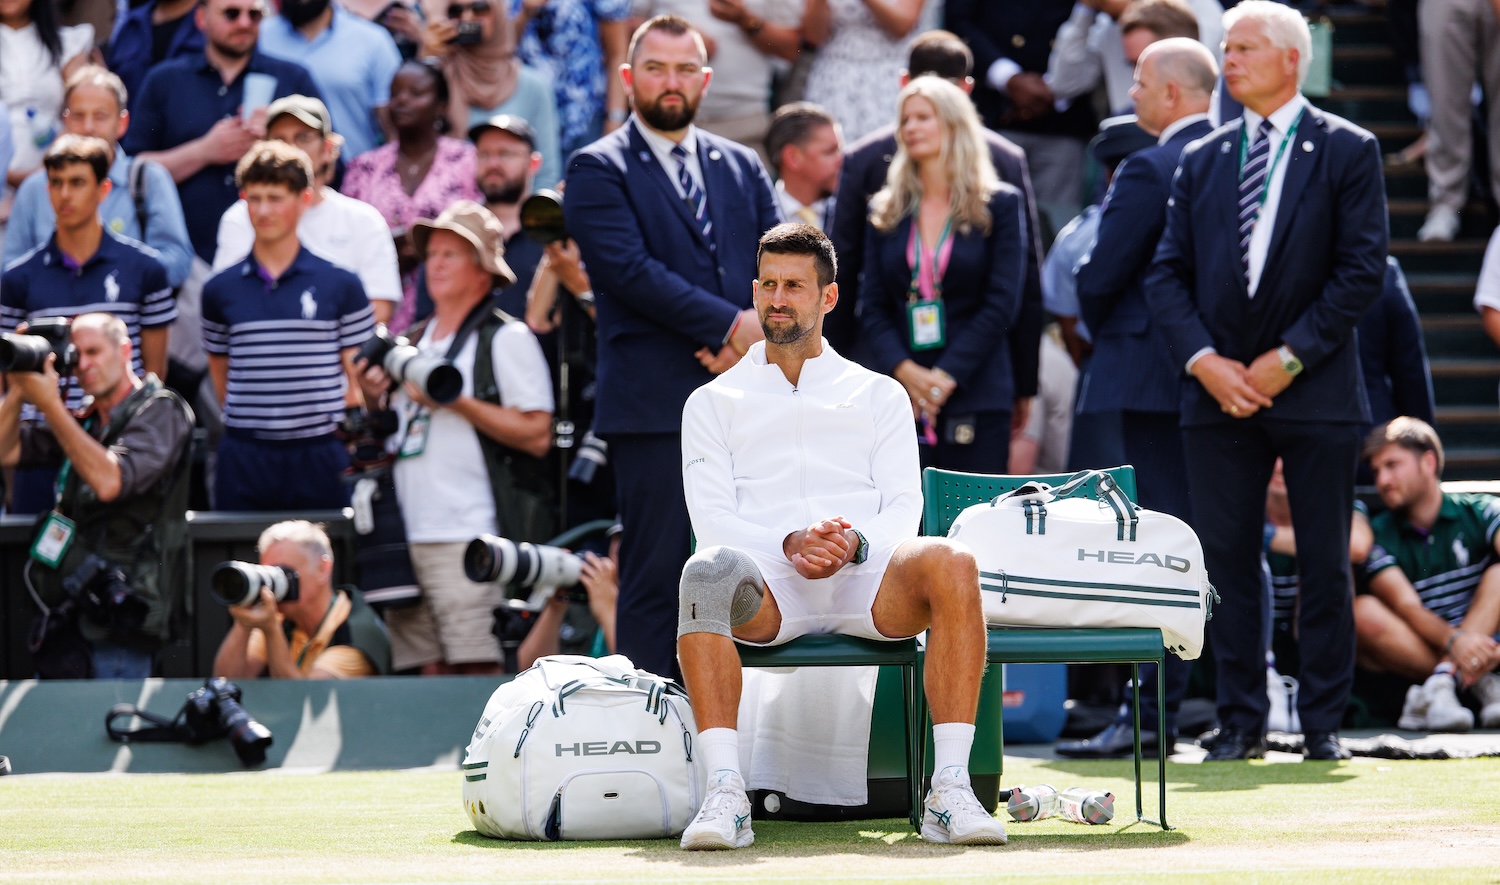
{"x": 942, "y": 183}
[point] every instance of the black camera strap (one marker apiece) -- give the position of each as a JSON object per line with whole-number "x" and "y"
{"x": 161, "y": 729}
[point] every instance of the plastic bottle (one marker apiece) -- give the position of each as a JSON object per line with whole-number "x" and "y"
{"x": 1086, "y": 806}
{"x": 41, "y": 133}
{"x": 1032, "y": 803}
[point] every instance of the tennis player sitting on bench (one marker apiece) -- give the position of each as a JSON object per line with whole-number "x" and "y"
{"x": 800, "y": 470}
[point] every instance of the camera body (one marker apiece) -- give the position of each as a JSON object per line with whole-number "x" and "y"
{"x": 592, "y": 454}
{"x": 542, "y": 217}
{"x": 214, "y": 711}
{"x": 529, "y": 574}
{"x": 239, "y": 583}
{"x": 102, "y": 593}
{"x": 437, "y": 378}
{"x": 469, "y": 34}
{"x": 44, "y": 335}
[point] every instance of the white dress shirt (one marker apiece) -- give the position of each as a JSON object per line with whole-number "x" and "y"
{"x": 662, "y": 146}
{"x": 1260, "y": 236}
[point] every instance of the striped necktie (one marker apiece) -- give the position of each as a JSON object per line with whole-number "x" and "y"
{"x": 1252, "y": 185}
{"x": 697, "y": 200}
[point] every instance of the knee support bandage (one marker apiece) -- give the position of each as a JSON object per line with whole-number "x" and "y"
{"x": 721, "y": 589}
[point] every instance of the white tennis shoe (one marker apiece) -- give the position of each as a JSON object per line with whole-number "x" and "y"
{"x": 724, "y": 820}
{"x": 953, "y": 813}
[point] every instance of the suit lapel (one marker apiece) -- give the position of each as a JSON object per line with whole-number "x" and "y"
{"x": 1301, "y": 159}
{"x": 643, "y": 158}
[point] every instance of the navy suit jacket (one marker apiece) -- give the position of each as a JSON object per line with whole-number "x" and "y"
{"x": 981, "y": 290}
{"x": 1324, "y": 267}
{"x": 662, "y": 291}
{"x": 1131, "y": 369}
{"x": 863, "y": 175}
{"x": 1392, "y": 354}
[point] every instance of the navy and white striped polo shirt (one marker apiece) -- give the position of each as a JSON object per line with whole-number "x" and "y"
{"x": 122, "y": 277}
{"x": 284, "y": 339}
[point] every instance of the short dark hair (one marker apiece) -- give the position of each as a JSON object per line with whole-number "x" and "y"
{"x": 94, "y": 75}
{"x": 675, "y": 25}
{"x": 440, "y": 90}
{"x": 69, "y": 149}
{"x": 1164, "y": 18}
{"x": 274, "y": 162}
{"x": 940, "y": 53}
{"x": 794, "y": 124}
{"x": 791, "y": 238}
{"x": 1412, "y": 434}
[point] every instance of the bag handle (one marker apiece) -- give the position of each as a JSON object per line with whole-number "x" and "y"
{"x": 1102, "y": 487}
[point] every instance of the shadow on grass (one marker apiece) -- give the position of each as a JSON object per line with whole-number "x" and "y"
{"x": 1210, "y": 777}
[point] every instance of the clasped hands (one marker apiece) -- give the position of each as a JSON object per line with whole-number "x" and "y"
{"x": 929, "y": 389}
{"x": 746, "y": 332}
{"x": 1242, "y": 390}
{"x": 822, "y": 548}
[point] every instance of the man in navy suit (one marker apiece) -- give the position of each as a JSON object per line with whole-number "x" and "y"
{"x": 1131, "y": 372}
{"x": 667, "y": 217}
{"x": 1274, "y": 247}
{"x": 941, "y": 54}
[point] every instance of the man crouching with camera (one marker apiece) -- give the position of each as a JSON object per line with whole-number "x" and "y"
{"x": 289, "y": 620}
{"x": 110, "y": 561}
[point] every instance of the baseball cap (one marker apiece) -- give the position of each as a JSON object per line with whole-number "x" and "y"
{"x": 474, "y": 223}
{"x": 509, "y": 124}
{"x": 305, "y": 108}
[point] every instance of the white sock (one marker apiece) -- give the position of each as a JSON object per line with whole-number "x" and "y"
{"x": 721, "y": 750}
{"x": 951, "y": 743}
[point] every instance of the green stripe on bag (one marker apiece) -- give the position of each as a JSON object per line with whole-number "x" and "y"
{"x": 1087, "y": 597}
{"x": 1089, "y": 585}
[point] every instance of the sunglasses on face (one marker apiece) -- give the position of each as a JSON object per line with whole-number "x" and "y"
{"x": 253, "y": 13}
{"x": 478, "y": 7}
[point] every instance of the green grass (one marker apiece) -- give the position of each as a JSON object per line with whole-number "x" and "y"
{"x": 1366, "y": 821}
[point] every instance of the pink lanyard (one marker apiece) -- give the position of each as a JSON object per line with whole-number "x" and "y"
{"x": 927, "y": 276}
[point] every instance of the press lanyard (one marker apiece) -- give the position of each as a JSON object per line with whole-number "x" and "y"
{"x": 314, "y": 634}
{"x": 1265, "y": 189}
{"x": 67, "y": 467}
{"x": 937, "y": 265}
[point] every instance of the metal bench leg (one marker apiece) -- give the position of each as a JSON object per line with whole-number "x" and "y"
{"x": 916, "y": 737}
{"x": 1135, "y": 685}
{"x": 1161, "y": 742}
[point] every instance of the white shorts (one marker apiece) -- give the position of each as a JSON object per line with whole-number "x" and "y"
{"x": 842, "y": 604}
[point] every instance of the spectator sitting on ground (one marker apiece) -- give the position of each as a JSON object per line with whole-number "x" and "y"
{"x": 325, "y": 633}
{"x": 807, "y": 153}
{"x": 347, "y": 232}
{"x": 281, "y": 328}
{"x": 1434, "y": 572}
{"x": 141, "y": 193}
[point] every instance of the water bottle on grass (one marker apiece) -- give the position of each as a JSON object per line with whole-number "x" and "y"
{"x": 1087, "y": 806}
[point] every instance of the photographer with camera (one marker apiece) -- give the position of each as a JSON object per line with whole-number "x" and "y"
{"x": 115, "y": 548}
{"x": 296, "y": 625}
{"x": 473, "y": 466}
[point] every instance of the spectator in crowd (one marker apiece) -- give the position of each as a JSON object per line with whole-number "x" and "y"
{"x": 745, "y": 38}
{"x": 419, "y": 174}
{"x": 862, "y": 572}
{"x": 1260, "y": 310}
{"x": 1433, "y": 610}
{"x": 506, "y": 161}
{"x": 941, "y": 54}
{"x": 192, "y": 115}
{"x": 281, "y": 328}
{"x": 579, "y": 44}
{"x": 445, "y": 478}
{"x": 150, "y": 34}
{"x": 37, "y": 55}
{"x": 1103, "y": 40}
{"x": 142, "y": 202}
{"x": 475, "y": 43}
{"x": 352, "y": 61}
{"x": 860, "y": 46}
{"x": 667, "y": 241}
{"x": 400, "y": 18}
{"x": 124, "y": 500}
{"x": 806, "y": 153}
{"x": 1487, "y": 290}
{"x": 1460, "y": 42}
{"x": 325, "y": 633}
{"x": 1011, "y": 44}
{"x": 945, "y": 260}
{"x": 84, "y": 267}
{"x": 346, "y": 231}
{"x": 1131, "y": 372}
{"x": 1041, "y": 446}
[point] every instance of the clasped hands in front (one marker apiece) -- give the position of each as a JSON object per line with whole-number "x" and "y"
{"x": 822, "y": 548}
{"x": 1242, "y": 390}
{"x": 929, "y": 389}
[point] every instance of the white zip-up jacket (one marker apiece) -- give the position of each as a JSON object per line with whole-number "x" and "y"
{"x": 762, "y": 459}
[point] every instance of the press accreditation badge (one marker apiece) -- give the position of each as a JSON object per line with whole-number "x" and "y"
{"x": 53, "y": 541}
{"x": 416, "y": 436}
{"x": 926, "y": 324}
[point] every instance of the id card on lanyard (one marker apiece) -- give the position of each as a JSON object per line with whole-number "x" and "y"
{"x": 56, "y": 536}
{"x": 926, "y": 320}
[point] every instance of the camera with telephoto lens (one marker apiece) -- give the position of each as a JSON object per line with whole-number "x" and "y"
{"x": 437, "y": 378}
{"x": 214, "y": 711}
{"x": 542, "y": 217}
{"x": 239, "y": 583}
{"x": 28, "y": 352}
{"x": 103, "y": 595}
{"x": 530, "y": 574}
{"x": 592, "y": 454}
{"x": 469, "y": 34}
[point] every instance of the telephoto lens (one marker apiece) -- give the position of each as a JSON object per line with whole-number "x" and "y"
{"x": 437, "y": 378}
{"x": 542, "y": 217}
{"x": 248, "y": 737}
{"x": 239, "y": 583}
{"x": 528, "y": 573}
{"x": 28, "y": 352}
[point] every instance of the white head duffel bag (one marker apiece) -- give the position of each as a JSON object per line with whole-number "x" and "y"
{"x": 583, "y": 748}
{"x": 1083, "y": 555}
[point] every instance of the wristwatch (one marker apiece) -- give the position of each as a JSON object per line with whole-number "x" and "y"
{"x": 1289, "y": 362}
{"x": 861, "y": 549}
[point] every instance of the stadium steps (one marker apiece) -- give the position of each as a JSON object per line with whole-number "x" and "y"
{"x": 1369, "y": 88}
